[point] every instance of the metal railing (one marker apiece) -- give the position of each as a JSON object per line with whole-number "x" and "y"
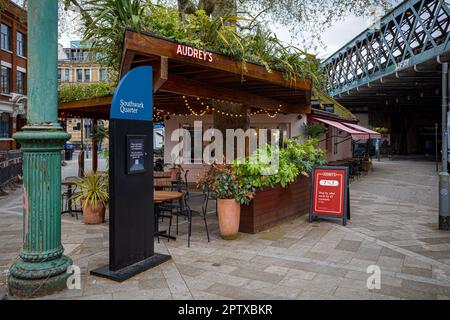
{"x": 10, "y": 166}
{"x": 412, "y": 33}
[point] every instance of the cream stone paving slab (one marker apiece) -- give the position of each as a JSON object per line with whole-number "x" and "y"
{"x": 393, "y": 225}
{"x": 177, "y": 286}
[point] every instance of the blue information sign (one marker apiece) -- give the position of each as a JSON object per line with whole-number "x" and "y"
{"x": 133, "y": 99}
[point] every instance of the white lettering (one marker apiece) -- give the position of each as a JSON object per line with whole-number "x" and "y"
{"x": 194, "y": 53}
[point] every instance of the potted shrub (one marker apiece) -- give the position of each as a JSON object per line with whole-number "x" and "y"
{"x": 229, "y": 191}
{"x": 93, "y": 194}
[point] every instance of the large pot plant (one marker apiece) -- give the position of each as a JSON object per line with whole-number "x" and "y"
{"x": 226, "y": 186}
{"x": 92, "y": 192}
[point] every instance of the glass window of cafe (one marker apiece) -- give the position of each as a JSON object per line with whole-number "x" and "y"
{"x": 4, "y": 125}
{"x": 284, "y": 131}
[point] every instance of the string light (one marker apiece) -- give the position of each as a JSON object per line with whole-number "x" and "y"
{"x": 190, "y": 105}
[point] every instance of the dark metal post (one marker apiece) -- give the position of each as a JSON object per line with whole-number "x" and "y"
{"x": 444, "y": 178}
{"x": 436, "y": 127}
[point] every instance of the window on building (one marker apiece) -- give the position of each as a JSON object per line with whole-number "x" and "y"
{"x": 5, "y": 37}
{"x": 21, "y": 78}
{"x": 59, "y": 74}
{"x": 87, "y": 75}
{"x": 79, "y": 75}
{"x": 66, "y": 74}
{"x": 21, "y": 44}
{"x": 102, "y": 74}
{"x": 5, "y": 83}
{"x": 4, "y": 125}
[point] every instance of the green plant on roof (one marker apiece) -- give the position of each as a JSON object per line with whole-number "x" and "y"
{"x": 80, "y": 91}
{"x": 240, "y": 38}
{"x": 381, "y": 130}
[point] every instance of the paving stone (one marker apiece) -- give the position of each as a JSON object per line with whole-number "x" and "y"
{"x": 257, "y": 275}
{"x": 404, "y": 293}
{"x": 352, "y": 294}
{"x": 316, "y": 255}
{"x": 386, "y": 252}
{"x": 238, "y": 293}
{"x": 342, "y": 257}
{"x": 389, "y": 263}
{"x": 390, "y": 227}
{"x": 426, "y": 287}
{"x": 366, "y": 253}
{"x": 349, "y": 245}
{"x": 417, "y": 271}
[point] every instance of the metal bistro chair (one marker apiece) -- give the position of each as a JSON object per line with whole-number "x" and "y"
{"x": 166, "y": 210}
{"x": 67, "y": 204}
{"x": 190, "y": 213}
{"x": 211, "y": 197}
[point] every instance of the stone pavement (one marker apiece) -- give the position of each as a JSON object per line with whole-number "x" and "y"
{"x": 393, "y": 226}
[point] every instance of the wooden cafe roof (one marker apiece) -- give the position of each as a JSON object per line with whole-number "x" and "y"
{"x": 208, "y": 75}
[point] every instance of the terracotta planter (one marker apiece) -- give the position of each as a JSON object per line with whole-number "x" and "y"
{"x": 94, "y": 214}
{"x": 229, "y": 212}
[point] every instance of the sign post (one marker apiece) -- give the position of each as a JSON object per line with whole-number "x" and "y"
{"x": 330, "y": 194}
{"x": 131, "y": 210}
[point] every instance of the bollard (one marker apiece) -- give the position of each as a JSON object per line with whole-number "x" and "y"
{"x": 444, "y": 201}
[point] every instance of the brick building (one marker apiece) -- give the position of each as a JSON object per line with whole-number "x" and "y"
{"x": 13, "y": 74}
{"x": 76, "y": 64}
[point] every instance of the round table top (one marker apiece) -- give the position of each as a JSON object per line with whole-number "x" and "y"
{"x": 162, "y": 196}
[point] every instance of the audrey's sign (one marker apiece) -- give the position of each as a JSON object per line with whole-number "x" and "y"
{"x": 194, "y": 53}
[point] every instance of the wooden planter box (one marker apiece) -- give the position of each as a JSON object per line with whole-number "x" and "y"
{"x": 271, "y": 206}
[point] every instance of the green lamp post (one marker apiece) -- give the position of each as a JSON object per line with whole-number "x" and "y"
{"x": 42, "y": 267}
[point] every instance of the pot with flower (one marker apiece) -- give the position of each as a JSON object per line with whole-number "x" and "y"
{"x": 227, "y": 187}
{"x": 92, "y": 192}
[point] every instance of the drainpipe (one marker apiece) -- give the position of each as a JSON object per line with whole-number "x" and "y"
{"x": 444, "y": 177}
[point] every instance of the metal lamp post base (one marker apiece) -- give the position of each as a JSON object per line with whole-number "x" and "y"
{"x": 42, "y": 267}
{"x": 23, "y": 281}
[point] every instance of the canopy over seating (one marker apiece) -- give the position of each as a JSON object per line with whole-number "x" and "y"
{"x": 372, "y": 134}
{"x": 181, "y": 71}
{"x": 356, "y": 134}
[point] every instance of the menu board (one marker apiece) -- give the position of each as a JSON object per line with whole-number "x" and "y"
{"x": 136, "y": 154}
{"x": 330, "y": 192}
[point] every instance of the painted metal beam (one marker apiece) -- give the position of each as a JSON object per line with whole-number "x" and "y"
{"x": 413, "y": 33}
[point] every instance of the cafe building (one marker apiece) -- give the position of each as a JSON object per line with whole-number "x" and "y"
{"x": 191, "y": 85}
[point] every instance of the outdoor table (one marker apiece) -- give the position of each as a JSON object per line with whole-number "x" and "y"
{"x": 70, "y": 183}
{"x": 158, "y": 198}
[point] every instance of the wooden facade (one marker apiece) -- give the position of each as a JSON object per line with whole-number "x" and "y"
{"x": 272, "y": 206}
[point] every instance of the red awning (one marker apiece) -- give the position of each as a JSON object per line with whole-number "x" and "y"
{"x": 356, "y": 135}
{"x": 373, "y": 134}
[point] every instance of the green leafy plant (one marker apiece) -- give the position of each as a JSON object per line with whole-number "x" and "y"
{"x": 248, "y": 41}
{"x": 381, "y": 130}
{"x": 224, "y": 182}
{"x": 294, "y": 159}
{"x": 313, "y": 131}
{"x": 81, "y": 91}
{"x": 92, "y": 189}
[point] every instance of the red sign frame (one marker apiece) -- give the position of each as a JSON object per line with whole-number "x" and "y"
{"x": 329, "y": 193}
